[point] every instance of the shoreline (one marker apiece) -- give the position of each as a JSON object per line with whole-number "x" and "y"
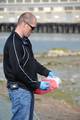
{"x": 55, "y": 52}
{"x": 68, "y": 68}
{"x": 63, "y": 103}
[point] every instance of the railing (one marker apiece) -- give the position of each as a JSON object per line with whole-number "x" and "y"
{"x": 52, "y": 4}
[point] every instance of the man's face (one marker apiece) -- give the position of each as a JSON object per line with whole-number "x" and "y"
{"x": 28, "y": 28}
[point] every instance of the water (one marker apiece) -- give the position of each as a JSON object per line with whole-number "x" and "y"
{"x": 44, "y": 42}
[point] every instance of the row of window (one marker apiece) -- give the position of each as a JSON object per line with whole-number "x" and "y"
{"x": 42, "y": 9}
{"x": 29, "y": 1}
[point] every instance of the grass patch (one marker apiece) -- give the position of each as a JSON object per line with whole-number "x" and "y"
{"x": 63, "y": 49}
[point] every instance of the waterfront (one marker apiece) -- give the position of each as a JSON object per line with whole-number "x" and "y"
{"x": 44, "y": 42}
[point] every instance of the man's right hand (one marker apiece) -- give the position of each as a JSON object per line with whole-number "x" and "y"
{"x": 44, "y": 85}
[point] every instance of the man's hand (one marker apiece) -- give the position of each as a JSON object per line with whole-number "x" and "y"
{"x": 44, "y": 85}
{"x": 52, "y": 74}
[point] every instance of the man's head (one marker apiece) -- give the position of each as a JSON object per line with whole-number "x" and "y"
{"x": 26, "y": 23}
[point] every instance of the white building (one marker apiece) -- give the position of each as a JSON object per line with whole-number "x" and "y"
{"x": 61, "y": 11}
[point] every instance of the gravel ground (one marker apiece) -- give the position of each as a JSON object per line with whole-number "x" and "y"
{"x": 50, "y": 109}
{"x": 47, "y": 107}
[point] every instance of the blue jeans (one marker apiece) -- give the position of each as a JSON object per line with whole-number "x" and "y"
{"x": 22, "y": 104}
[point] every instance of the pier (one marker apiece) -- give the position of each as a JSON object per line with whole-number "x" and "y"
{"x": 53, "y": 16}
{"x": 46, "y": 27}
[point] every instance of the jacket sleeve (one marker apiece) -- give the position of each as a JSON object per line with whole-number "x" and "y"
{"x": 16, "y": 64}
{"x": 41, "y": 69}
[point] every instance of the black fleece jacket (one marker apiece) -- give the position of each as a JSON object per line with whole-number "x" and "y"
{"x": 19, "y": 63}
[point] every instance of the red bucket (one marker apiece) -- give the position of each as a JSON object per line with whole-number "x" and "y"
{"x": 53, "y": 86}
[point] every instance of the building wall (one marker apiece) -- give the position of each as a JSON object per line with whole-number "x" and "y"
{"x": 44, "y": 10}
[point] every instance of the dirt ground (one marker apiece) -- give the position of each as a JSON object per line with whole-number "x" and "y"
{"x": 48, "y": 108}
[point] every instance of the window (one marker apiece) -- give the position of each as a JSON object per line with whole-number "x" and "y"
{"x": 1, "y": 9}
{"x": 73, "y": 0}
{"x": 54, "y": 0}
{"x": 10, "y": 1}
{"x": 19, "y": 1}
{"x": 36, "y": 0}
{"x": 45, "y": 0}
{"x": 64, "y": 0}
{"x": 2, "y": 1}
{"x": 31, "y": 9}
{"x": 27, "y": 0}
{"x": 77, "y": 7}
{"x": 41, "y": 8}
{"x": 68, "y": 8}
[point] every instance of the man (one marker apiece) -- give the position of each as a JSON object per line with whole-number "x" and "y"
{"x": 21, "y": 68}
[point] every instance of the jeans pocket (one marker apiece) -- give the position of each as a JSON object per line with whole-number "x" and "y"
{"x": 25, "y": 97}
